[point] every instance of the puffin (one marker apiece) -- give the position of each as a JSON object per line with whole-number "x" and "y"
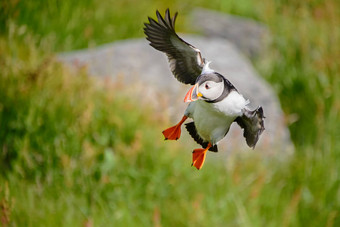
{"x": 214, "y": 102}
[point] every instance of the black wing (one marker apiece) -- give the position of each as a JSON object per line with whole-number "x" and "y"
{"x": 253, "y": 124}
{"x": 193, "y": 132}
{"x": 186, "y": 62}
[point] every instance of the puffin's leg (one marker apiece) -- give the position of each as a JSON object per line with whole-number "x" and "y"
{"x": 174, "y": 132}
{"x": 198, "y": 156}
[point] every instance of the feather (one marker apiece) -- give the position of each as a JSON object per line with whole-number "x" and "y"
{"x": 253, "y": 124}
{"x": 186, "y": 62}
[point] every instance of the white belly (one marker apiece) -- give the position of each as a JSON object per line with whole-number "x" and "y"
{"x": 211, "y": 125}
{"x": 212, "y": 120}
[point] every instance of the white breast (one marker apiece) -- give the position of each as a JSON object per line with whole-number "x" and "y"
{"x": 212, "y": 120}
{"x": 232, "y": 105}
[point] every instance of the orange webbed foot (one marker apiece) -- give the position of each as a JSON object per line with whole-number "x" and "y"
{"x": 174, "y": 132}
{"x": 198, "y": 156}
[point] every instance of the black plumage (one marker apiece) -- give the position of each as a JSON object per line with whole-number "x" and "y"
{"x": 186, "y": 62}
{"x": 253, "y": 124}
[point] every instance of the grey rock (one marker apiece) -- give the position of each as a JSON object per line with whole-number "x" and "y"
{"x": 138, "y": 63}
{"x": 248, "y": 35}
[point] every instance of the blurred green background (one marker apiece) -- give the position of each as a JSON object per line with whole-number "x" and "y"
{"x": 77, "y": 152}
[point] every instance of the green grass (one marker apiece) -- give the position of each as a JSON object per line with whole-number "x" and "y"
{"x": 77, "y": 151}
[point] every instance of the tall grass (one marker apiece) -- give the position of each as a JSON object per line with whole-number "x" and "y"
{"x": 305, "y": 71}
{"x": 76, "y": 151}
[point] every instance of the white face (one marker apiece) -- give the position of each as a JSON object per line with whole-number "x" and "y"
{"x": 211, "y": 90}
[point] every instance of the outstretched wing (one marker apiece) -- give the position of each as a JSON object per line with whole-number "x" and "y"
{"x": 253, "y": 124}
{"x": 186, "y": 62}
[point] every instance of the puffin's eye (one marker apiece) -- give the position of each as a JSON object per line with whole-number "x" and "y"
{"x": 207, "y": 86}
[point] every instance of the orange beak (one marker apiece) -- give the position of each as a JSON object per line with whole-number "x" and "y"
{"x": 192, "y": 94}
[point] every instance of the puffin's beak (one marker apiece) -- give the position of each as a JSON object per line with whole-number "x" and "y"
{"x": 192, "y": 94}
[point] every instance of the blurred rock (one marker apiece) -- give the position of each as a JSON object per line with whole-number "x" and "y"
{"x": 135, "y": 62}
{"x": 250, "y": 36}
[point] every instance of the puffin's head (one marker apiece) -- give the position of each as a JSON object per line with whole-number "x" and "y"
{"x": 208, "y": 86}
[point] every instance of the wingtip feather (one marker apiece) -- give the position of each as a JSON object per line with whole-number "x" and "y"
{"x": 173, "y": 21}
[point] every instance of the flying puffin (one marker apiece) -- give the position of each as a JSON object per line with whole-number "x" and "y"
{"x": 214, "y": 102}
